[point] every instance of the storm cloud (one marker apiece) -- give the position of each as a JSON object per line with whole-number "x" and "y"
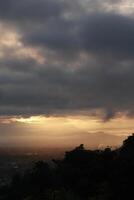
{"x": 59, "y": 58}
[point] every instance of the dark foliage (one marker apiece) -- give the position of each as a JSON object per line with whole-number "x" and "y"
{"x": 82, "y": 175}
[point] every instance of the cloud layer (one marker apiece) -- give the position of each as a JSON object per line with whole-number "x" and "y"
{"x": 60, "y": 58}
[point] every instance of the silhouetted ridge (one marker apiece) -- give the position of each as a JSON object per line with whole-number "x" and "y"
{"x": 81, "y": 175}
{"x": 128, "y": 146}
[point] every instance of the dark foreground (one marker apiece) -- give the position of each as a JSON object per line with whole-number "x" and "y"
{"x": 82, "y": 175}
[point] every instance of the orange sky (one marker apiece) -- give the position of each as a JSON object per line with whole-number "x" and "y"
{"x": 69, "y": 131}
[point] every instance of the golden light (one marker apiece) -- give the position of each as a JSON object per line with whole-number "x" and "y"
{"x": 61, "y": 125}
{"x": 67, "y": 131}
{"x": 29, "y": 120}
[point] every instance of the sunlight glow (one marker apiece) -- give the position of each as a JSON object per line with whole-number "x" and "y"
{"x": 68, "y": 124}
{"x": 65, "y": 131}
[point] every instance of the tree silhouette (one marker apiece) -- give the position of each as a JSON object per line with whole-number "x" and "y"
{"x": 81, "y": 175}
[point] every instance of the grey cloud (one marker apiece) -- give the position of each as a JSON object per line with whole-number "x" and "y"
{"x": 29, "y": 10}
{"x": 66, "y": 82}
{"x": 59, "y": 91}
{"x": 97, "y": 34}
{"x": 108, "y": 34}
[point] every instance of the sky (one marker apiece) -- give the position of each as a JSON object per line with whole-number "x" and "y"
{"x": 66, "y": 72}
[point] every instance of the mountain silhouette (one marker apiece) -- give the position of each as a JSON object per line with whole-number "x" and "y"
{"x": 81, "y": 175}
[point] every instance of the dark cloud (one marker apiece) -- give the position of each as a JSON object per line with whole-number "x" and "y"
{"x": 29, "y": 10}
{"x": 88, "y": 59}
{"x": 98, "y": 34}
{"x": 108, "y": 34}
